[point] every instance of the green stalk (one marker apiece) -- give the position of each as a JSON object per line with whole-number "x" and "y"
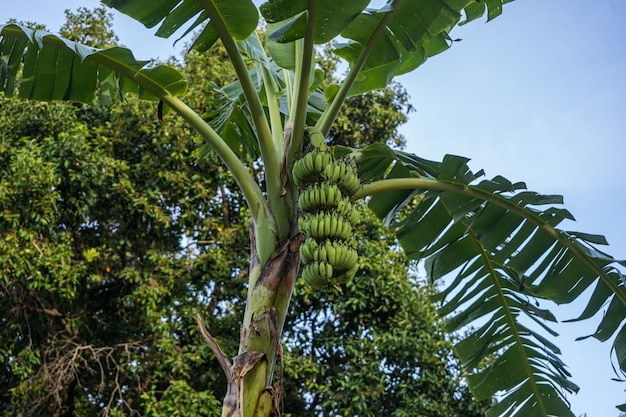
{"x": 327, "y": 119}
{"x": 269, "y": 153}
{"x": 288, "y": 89}
{"x": 303, "y": 79}
{"x": 274, "y": 111}
{"x": 298, "y": 100}
{"x": 434, "y": 184}
{"x": 296, "y": 79}
{"x": 250, "y": 189}
{"x": 289, "y": 199}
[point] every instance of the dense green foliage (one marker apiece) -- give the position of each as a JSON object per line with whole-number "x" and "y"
{"x": 99, "y": 286}
{"x": 115, "y": 232}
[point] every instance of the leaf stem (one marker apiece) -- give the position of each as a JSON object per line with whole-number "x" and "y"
{"x": 251, "y": 191}
{"x": 288, "y": 89}
{"x": 303, "y": 79}
{"x": 274, "y": 110}
{"x": 269, "y": 153}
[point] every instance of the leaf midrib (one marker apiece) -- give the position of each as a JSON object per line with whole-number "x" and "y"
{"x": 484, "y": 253}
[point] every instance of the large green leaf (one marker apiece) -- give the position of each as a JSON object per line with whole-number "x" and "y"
{"x": 58, "y": 69}
{"x": 498, "y": 250}
{"x": 414, "y": 30}
{"x": 240, "y": 17}
{"x": 289, "y": 17}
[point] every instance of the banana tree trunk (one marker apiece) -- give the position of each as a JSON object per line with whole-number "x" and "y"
{"x": 251, "y": 388}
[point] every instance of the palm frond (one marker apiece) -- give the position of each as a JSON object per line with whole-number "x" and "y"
{"x": 239, "y": 17}
{"x": 53, "y": 68}
{"x": 499, "y": 250}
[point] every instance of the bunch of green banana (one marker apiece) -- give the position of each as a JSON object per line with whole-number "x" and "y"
{"x": 323, "y": 225}
{"x": 327, "y": 213}
{"x": 319, "y": 166}
{"x": 342, "y": 256}
{"x": 320, "y": 196}
{"x": 311, "y": 165}
{"x": 343, "y": 173}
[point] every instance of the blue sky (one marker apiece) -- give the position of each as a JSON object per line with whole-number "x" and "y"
{"x": 537, "y": 95}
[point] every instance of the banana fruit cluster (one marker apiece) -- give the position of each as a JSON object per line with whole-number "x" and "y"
{"x": 326, "y": 214}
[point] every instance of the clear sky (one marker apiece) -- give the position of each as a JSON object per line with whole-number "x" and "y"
{"x": 537, "y": 95}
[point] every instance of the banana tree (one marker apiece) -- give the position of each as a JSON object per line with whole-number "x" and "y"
{"x": 497, "y": 245}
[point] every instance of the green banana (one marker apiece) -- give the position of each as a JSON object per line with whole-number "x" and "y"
{"x": 317, "y": 274}
{"x": 322, "y": 225}
{"x": 319, "y": 197}
{"x": 340, "y": 256}
{"x": 344, "y": 175}
{"x": 307, "y": 250}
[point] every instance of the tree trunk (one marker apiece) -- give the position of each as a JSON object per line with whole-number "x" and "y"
{"x": 251, "y": 388}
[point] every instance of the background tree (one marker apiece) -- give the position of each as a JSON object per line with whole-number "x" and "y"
{"x": 90, "y": 27}
{"x": 115, "y": 232}
{"x": 98, "y": 277}
{"x": 500, "y": 240}
{"x": 91, "y": 295}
